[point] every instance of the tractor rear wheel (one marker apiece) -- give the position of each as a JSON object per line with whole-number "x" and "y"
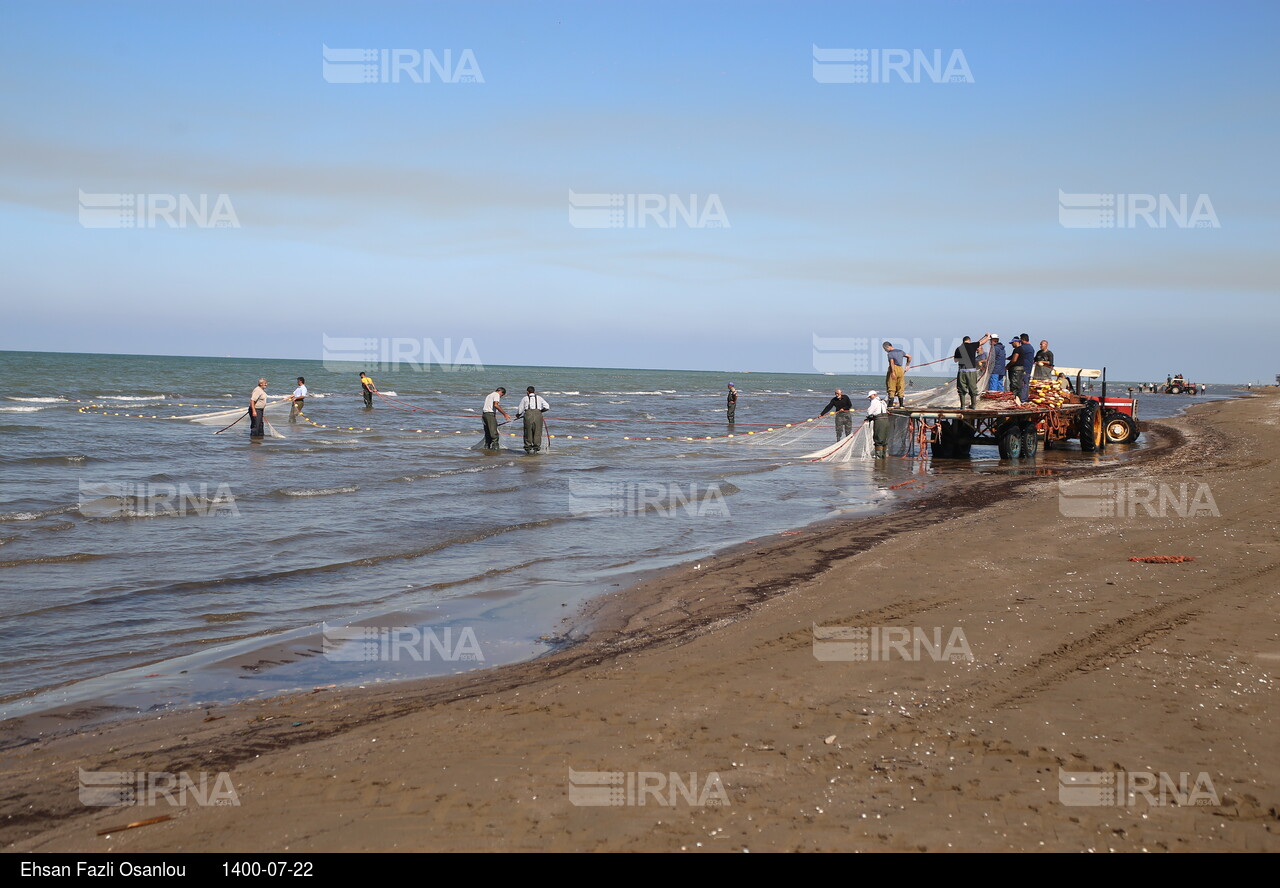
{"x": 1089, "y": 427}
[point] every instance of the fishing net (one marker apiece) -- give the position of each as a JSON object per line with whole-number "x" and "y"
{"x": 223, "y": 418}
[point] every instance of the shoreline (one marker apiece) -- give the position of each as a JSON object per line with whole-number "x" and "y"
{"x": 138, "y": 692}
{"x": 684, "y": 615}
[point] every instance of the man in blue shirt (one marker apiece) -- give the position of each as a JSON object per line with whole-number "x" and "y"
{"x": 1020, "y": 367}
{"x": 999, "y": 358}
{"x": 895, "y": 377}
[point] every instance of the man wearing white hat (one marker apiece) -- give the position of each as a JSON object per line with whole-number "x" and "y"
{"x": 878, "y": 416}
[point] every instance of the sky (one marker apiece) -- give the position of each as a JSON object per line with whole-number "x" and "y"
{"x": 787, "y": 201}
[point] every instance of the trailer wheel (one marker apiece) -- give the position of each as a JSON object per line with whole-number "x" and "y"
{"x": 1030, "y": 440}
{"x": 1010, "y": 442}
{"x": 1089, "y": 427}
{"x": 1121, "y": 429}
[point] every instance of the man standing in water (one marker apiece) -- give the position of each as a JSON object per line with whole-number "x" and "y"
{"x": 492, "y": 440}
{"x": 878, "y": 416}
{"x": 532, "y": 406}
{"x": 844, "y": 420}
{"x": 257, "y": 404}
{"x": 367, "y": 388}
{"x": 298, "y": 397}
{"x": 732, "y": 404}
{"x": 895, "y": 378}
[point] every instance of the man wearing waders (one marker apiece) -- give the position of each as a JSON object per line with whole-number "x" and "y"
{"x": 492, "y": 440}
{"x": 367, "y": 388}
{"x": 732, "y": 404}
{"x": 895, "y": 377}
{"x": 969, "y": 358}
{"x": 878, "y": 416}
{"x": 844, "y": 419}
{"x": 257, "y": 404}
{"x": 532, "y": 406}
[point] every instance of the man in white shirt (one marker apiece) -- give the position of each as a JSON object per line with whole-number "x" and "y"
{"x": 298, "y": 397}
{"x": 492, "y": 440}
{"x": 878, "y": 416}
{"x": 532, "y": 406}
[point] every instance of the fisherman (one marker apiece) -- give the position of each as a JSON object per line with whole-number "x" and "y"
{"x": 969, "y": 358}
{"x": 732, "y": 404}
{"x": 878, "y": 416}
{"x": 257, "y": 407}
{"x": 367, "y": 388}
{"x": 998, "y": 359}
{"x": 844, "y": 419}
{"x": 492, "y": 440}
{"x": 896, "y": 375}
{"x": 1044, "y": 361}
{"x": 297, "y": 398}
{"x": 532, "y": 406}
{"x": 1020, "y": 367}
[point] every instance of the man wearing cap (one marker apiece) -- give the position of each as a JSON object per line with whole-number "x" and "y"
{"x": 998, "y": 359}
{"x": 878, "y": 416}
{"x": 257, "y": 404}
{"x": 1020, "y": 359}
{"x": 732, "y": 404}
{"x": 895, "y": 377}
{"x": 492, "y": 440}
{"x": 844, "y": 419}
{"x": 532, "y": 406}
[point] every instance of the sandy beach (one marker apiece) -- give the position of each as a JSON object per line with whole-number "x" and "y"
{"x": 1081, "y": 661}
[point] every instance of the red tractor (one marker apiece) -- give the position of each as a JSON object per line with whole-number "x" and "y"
{"x": 1119, "y": 415}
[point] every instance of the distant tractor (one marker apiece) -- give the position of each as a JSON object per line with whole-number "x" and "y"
{"x": 1179, "y": 386}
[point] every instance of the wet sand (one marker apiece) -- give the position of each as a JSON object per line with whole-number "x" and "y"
{"x": 1081, "y": 661}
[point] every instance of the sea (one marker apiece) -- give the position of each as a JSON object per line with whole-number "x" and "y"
{"x": 151, "y": 561}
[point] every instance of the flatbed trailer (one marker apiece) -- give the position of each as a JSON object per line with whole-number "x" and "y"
{"x": 1016, "y": 431}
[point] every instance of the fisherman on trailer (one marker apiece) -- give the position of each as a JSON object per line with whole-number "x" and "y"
{"x": 532, "y": 407}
